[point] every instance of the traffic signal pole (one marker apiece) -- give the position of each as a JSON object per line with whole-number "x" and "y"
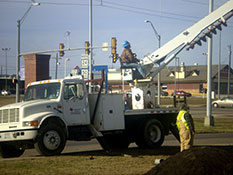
{"x": 209, "y": 120}
{"x": 90, "y": 40}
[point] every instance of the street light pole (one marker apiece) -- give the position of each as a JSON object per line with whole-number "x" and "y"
{"x": 229, "y": 71}
{"x": 159, "y": 75}
{"x": 68, "y": 38}
{"x": 6, "y": 50}
{"x": 19, "y": 22}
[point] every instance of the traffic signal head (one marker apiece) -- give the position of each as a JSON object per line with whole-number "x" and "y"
{"x": 114, "y": 58}
{"x": 114, "y": 44}
{"x": 114, "y": 52}
{"x": 61, "y": 46}
{"x": 87, "y": 50}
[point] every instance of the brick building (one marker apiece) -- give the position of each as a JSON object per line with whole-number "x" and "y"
{"x": 36, "y": 67}
{"x": 193, "y": 79}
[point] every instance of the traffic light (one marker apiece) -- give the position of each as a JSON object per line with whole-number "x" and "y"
{"x": 114, "y": 52}
{"x": 87, "y": 50}
{"x": 61, "y": 46}
{"x": 14, "y": 81}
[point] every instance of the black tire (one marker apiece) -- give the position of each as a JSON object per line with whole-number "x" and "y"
{"x": 150, "y": 135}
{"x": 51, "y": 140}
{"x": 111, "y": 142}
{"x": 8, "y": 150}
{"x": 215, "y": 105}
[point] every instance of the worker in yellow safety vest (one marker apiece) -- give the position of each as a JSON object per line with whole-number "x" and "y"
{"x": 185, "y": 125}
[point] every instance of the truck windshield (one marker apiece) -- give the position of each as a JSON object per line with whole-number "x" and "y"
{"x": 42, "y": 91}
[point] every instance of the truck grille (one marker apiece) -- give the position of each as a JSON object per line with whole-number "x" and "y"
{"x": 9, "y": 115}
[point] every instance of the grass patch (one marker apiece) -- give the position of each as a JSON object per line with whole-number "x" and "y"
{"x": 221, "y": 125}
{"x": 190, "y": 101}
{"x": 132, "y": 161}
{"x": 80, "y": 164}
{"x": 5, "y": 100}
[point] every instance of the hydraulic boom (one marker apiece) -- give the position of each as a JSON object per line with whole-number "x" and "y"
{"x": 188, "y": 38}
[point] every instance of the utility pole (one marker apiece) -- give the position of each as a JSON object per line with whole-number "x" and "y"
{"x": 219, "y": 64}
{"x": 209, "y": 120}
{"x": 229, "y": 71}
{"x": 17, "y": 87}
{"x": 91, "y": 43}
{"x": 56, "y": 64}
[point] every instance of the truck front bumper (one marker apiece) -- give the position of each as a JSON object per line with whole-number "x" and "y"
{"x": 18, "y": 135}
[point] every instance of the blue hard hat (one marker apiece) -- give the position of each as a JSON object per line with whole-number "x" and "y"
{"x": 126, "y": 44}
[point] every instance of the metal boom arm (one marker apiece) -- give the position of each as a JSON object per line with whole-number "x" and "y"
{"x": 188, "y": 36}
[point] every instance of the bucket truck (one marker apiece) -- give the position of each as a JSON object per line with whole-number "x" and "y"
{"x": 55, "y": 111}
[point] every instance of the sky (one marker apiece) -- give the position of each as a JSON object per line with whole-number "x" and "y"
{"x": 47, "y": 25}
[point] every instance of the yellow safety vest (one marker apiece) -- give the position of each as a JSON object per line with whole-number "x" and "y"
{"x": 180, "y": 117}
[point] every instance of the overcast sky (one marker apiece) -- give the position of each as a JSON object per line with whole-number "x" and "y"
{"x": 46, "y": 26}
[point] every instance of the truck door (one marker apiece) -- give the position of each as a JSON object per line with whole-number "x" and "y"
{"x": 75, "y": 107}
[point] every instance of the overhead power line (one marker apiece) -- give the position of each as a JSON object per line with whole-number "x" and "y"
{"x": 145, "y": 9}
{"x": 126, "y": 8}
{"x": 200, "y": 3}
{"x": 195, "y": 2}
{"x": 48, "y": 3}
{"x": 117, "y": 6}
{"x": 9, "y": 1}
{"x": 147, "y": 13}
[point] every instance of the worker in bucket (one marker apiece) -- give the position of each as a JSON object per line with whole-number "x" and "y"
{"x": 129, "y": 60}
{"x": 185, "y": 125}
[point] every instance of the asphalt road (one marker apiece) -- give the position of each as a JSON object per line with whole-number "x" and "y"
{"x": 72, "y": 147}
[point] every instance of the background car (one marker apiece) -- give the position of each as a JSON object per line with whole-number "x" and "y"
{"x": 163, "y": 93}
{"x": 182, "y": 93}
{"x": 5, "y": 92}
{"x": 224, "y": 102}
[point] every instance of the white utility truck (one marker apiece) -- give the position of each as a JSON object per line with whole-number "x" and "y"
{"x": 54, "y": 111}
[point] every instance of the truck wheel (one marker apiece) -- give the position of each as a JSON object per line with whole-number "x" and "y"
{"x": 151, "y": 135}
{"x": 51, "y": 140}
{"x": 10, "y": 150}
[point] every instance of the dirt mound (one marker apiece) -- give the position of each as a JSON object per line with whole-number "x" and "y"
{"x": 197, "y": 161}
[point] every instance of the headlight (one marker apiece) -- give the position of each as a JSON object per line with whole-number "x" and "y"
{"x": 30, "y": 123}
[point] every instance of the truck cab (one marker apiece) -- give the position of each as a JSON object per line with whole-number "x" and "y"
{"x": 62, "y": 103}
{"x": 54, "y": 111}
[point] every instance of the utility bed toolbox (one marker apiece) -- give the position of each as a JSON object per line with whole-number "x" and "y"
{"x": 110, "y": 111}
